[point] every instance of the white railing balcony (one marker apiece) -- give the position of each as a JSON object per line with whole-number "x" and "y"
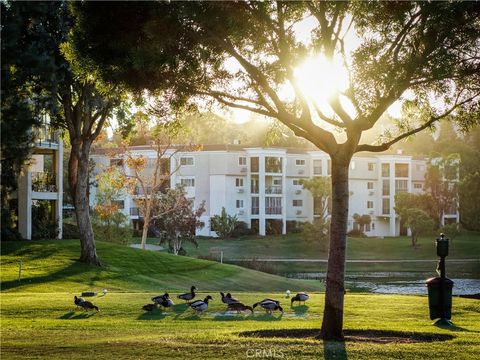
{"x": 273, "y": 190}
{"x": 276, "y": 210}
{"x": 43, "y": 182}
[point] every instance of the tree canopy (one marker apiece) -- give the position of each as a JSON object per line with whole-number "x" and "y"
{"x": 247, "y": 55}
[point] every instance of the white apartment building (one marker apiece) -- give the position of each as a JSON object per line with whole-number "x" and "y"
{"x": 261, "y": 185}
{"x": 41, "y": 180}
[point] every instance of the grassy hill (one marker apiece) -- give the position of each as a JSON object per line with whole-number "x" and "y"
{"x": 51, "y": 266}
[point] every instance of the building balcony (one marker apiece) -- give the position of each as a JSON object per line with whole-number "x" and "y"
{"x": 276, "y": 210}
{"x": 43, "y": 182}
{"x": 45, "y": 136}
{"x": 134, "y": 211}
{"x": 255, "y": 211}
{"x": 273, "y": 190}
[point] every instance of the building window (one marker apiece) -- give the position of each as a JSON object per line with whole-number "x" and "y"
{"x": 254, "y": 164}
{"x": 401, "y": 186}
{"x": 418, "y": 186}
{"x": 186, "y": 161}
{"x": 373, "y": 226}
{"x": 188, "y": 182}
{"x": 371, "y": 166}
{"x": 386, "y": 206}
{"x": 317, "y": 167}
{"x": 297, "y": 203}
{"x": 238, "y": 182}
{"x": 386, "y": 188}
{"x": 370, "y": 185}
{"x": 296, "y": 182}
{"x": 273, "y": 205}
{"x": 255, "y": 205}
{"x": 273, "y": 164}
{"x": 239, "y": 204}
{"x": 277, "y": 182}
{"x": 242, "y": 161}
{"x": 369, "y": 204}
{"x": 300, "y": 162}
{"x": 385, "y": 170}
{"x": 401, "y": 170}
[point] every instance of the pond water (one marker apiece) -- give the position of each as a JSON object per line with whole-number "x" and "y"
{"x": 396, "y": 282}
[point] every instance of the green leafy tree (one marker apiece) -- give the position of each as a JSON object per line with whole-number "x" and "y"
{"x": 418, "y": 221}
{"x": 175, "y": 217}
{"x": 321, "y": 189}
{"x": 426, "y": 49}
{"x": 362, "y": 220}
{"x": 441, "y": 181}
{"x": 224, "y": 224}
{"x": 74, "y": 99}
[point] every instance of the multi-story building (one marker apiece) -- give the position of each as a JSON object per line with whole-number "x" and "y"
{"x": 42, "y": 181}
{"x": 262, "y": 185}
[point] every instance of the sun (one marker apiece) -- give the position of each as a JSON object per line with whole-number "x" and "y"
{"x": 320, "y": 78}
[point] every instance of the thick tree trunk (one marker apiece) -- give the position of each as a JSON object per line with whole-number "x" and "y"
{"x": 78, "y": 179}
{"x": 332, "y": 325}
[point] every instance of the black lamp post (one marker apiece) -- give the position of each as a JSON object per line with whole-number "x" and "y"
{"x": 440, "y": 288}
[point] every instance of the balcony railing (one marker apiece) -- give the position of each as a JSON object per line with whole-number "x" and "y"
{"x": 43, "y": 182}
{"x": 46, "y": 135}
{"x": 255, "y": 210}
{"x": 276, "y": 210}
{"x": 273, "y": 190}
{"x": 134, "y": 211}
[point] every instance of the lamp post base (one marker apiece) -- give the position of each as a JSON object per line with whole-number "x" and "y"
{"x": 443, "y": 322}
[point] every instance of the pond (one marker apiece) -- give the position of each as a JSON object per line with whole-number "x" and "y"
{"x": 396, "y": 282}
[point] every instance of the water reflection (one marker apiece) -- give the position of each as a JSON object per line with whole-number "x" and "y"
{"x": 396, "y": 282}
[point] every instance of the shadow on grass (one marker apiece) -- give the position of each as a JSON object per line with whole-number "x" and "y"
{"x": 180, "y": 308}
{"x": 153, "y": 315}
{"x": 454, "y": 328}
{"x": 233, "y": 316}
{"x": 72, "y": 315}
{"x": 334, "y": 350}
{"x": 376, "y": 336}
{"x": 300, "y": 310}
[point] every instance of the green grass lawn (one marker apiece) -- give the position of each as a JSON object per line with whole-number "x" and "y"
{"x": 466, "y": 246}
{"x": 39, "y": 320}
{"x": 294, "y": 246}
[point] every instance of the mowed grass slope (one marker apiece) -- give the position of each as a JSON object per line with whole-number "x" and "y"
{"x": 47, "y": 326}
{"x": 51, "y": 266}
{"x": 39, "y": 320}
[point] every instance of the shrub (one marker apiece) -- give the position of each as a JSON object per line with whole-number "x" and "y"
{"x": 318, "y": 231}
{"x": 70, "y": 231}
{"x": 223, "y": 224}
{"x": 356, "y": 233}
{"x": 241, "y": 229}
{"x": 115, "y": 229}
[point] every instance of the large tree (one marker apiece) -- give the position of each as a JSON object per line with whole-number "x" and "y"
{"x": 247, "y": 55}
{"x": 74, "y": 99}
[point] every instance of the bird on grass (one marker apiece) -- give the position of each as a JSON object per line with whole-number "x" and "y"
{"x": 269, "y": 305}
{"x": 239, "y": 307}
{"x": 163, "y": 300}
{"x": 228, "y": 299}
{"x": 78, "y": 301}
{"x": 149, "y": 307}
{"x": 200, "y": 305}
{"x": 188, "y": 296}
{"x": 87, "y": 305}
{"x": 300, "y": 297}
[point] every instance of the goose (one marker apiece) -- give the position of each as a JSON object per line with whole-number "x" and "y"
{"x": 149, "y": 307}
{"x": 159, "y": 298}
{"x": 233, "y": 299}
{"x": 87, "y": 305}
{"x": 238, "y": 307}
{"x": 199, "y": 306}
{"x": 228, "y": 299}
{"x": 166, "y": 301}
{"x": 188, "y": 296}
{"x": 269, "y": 305}
{"x": 78, "y": 301}
{"x": 300, "y": 297}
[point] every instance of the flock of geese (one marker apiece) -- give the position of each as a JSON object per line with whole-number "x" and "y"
{"x": 199, "y": 306}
